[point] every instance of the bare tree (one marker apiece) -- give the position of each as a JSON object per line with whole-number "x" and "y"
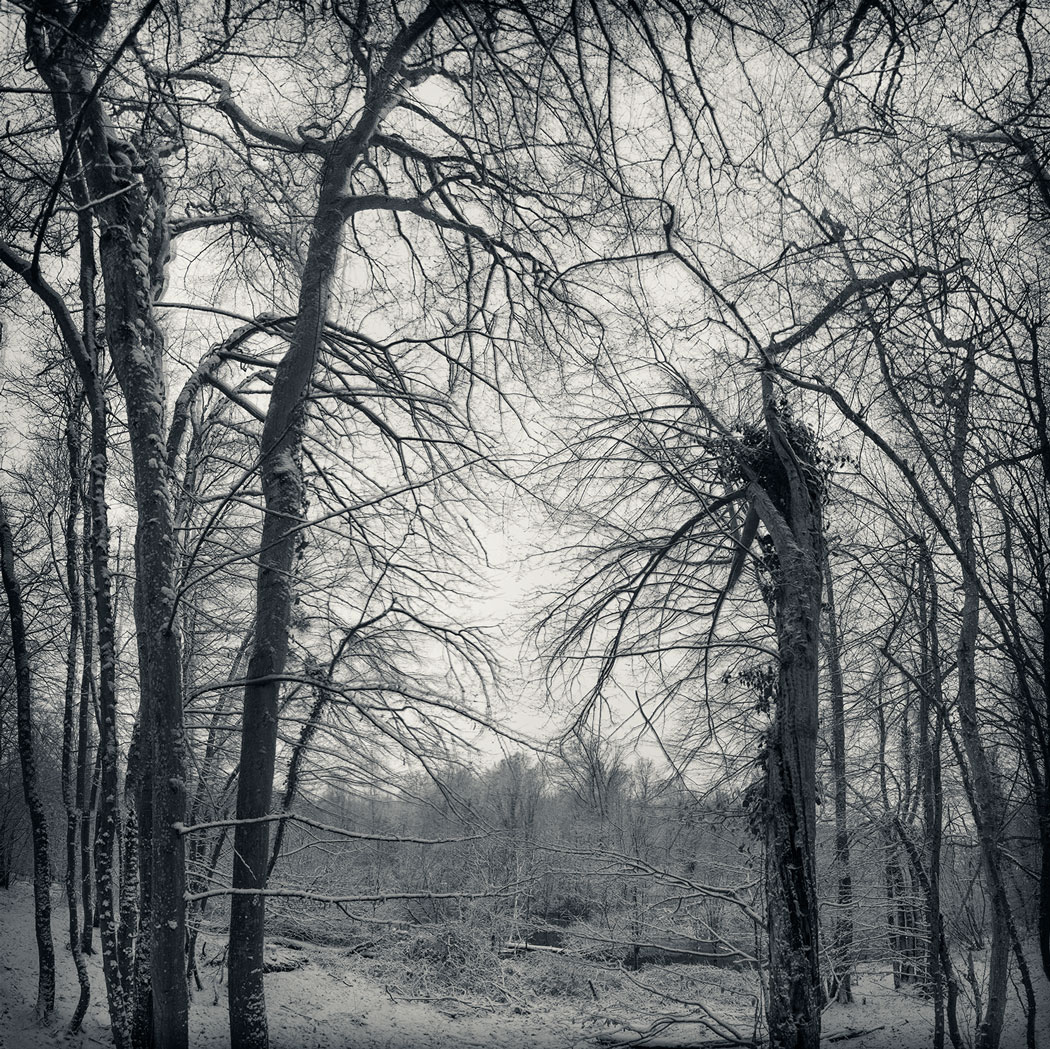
{"x": 114, "y": 179}
{"x": 45, "y": 998}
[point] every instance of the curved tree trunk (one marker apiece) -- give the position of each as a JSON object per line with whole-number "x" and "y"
{"x": 282, "y": 485}
{"x": 45, "y": 997}
{"x": 283, "y": 492}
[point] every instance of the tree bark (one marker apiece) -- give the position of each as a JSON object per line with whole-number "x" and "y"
{"x": 73, "y": 813}
{"x": 794, "y": 520}
{"x": 45, "y": 997}
{"x": 986, "y": 802}
{"x": 283, "y": 493}
{"x": 282, "y": 485}
{"x": 136, "y": 908}
{"x": 842, "y": 937}
{"x": 85, "y": 766}
{"x": 125, "y": 186}
{"x": 85, "y": 359}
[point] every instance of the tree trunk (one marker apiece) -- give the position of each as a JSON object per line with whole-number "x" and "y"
{"x": 282, "y": 485}
{"x": 126, "y": 188}
{"x": 842, "y": 938}
{"x": 794, "y": 977}
{"x": 892, "y": 873}
{"x": 295, "y": 765}
{"x": 986, "y": 802}
{"x": 73, "y": 813}
{"x": 135, "y": 888}
{"x": 45, "y": 998}
{"x": 283, "y": 493}
{"x": 86, "y": 361}
{"x": 930, "y": 782}
{"x": 1044, "y": 883}
{"x": 794, "y": 519}
{"x": 938, "y": 943}
{"x": 84, "y": 763}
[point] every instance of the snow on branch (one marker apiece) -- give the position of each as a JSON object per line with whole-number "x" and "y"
{"x": 181, "y": 828}
{"x": 382, "y": 897}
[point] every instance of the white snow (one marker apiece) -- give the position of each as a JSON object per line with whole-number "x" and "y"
{"x": 329, "y": 1000}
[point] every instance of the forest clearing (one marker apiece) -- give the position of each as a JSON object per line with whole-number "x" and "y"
{"x": 332, "y": 998}
{"x": 525, "y": 522}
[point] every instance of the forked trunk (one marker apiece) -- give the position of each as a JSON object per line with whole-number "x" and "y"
{"x": 282, "y": 485}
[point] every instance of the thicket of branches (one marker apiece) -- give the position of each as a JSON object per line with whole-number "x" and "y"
{"x": 741, "y": 307}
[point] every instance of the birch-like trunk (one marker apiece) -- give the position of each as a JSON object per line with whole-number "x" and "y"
{"x": 85, "y": 719}
{"x": 125, "y": 187}
{"x": 85, "y": 357}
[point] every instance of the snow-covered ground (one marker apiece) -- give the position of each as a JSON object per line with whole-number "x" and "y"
{"x": 330, "y": 1001}
{"x": 335, "y": 1000}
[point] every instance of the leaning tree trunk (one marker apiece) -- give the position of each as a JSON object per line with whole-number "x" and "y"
{"x": 45, "y": 996}
{"x": 283, "y": 493}
{"x": 295, "y": 766}
{"x": 282, "y": 483}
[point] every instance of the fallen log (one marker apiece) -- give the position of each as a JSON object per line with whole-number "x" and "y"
{"x": 846, "y": 1036}
{"x": 666, "y": 1040}
{"x": 516, "y": 946}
